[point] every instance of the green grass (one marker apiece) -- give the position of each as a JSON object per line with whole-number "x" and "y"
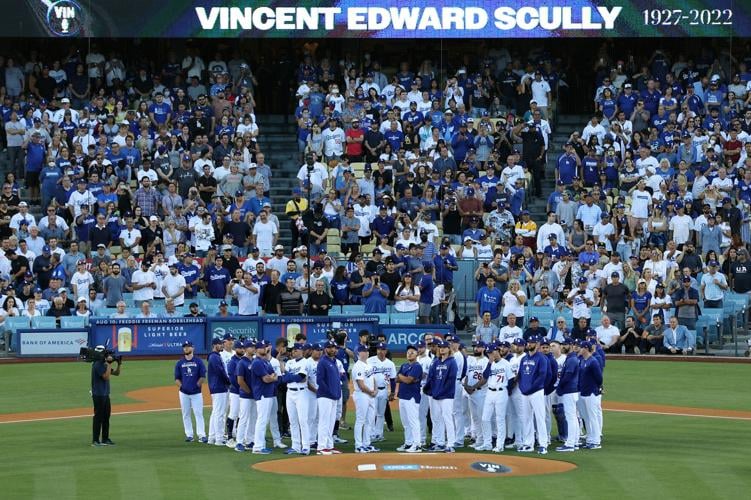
{"x": 643, "y": 456}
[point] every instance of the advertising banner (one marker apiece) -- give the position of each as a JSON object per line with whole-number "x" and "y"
{"x": 157, "y": 336}
{"x": 399, "y": 337}
{"x": 316, "y": 327}
{"x": 388, "y": 19}
{"x": 238, "y": 327}
{"x": 46, "y": 342}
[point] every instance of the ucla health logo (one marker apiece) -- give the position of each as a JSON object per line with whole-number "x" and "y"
{"x": 65, "y": 18}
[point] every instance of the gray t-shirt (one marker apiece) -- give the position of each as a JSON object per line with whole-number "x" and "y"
{"x": 15, "y": 140}
{"x": 113, "y": 289}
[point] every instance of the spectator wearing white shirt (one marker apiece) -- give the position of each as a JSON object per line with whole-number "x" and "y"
{"x": 264, "y": 234}
{"x": 81, "y": 281}
{"x": 79, "y": 197}
{"x": 203, "y": 233}
{"x": 603, "y": 231}
{"x": 608, "y": 336}
{"x": 318, "y": 175}
{"x": 23, "y": 215}
{"x": 333, "y": 141}
{"x": 594, "y": 128}
{"x": 173, "y": 286}
{"x": 143, "y": 283}
{"x": 550, "y": 227}
{"x": 247, "y": 293}
{"x": 681, "y": 225}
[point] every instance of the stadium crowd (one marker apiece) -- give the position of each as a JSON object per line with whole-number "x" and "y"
{"x": 152, "y": 183}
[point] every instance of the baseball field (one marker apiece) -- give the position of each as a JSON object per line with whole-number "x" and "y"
{"x": 671, "y": 430}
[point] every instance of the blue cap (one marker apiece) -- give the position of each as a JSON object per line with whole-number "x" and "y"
{"x": 714, "y": 263}
{"x": 470, "y": 192}
{"x": 228, "y": 336}
{"x": 525, "y": 212}
{"x": 298, "y": 345}
{"x": 566, "y": 341}
{"x": 260, "y": 344}
{"x": 381, "y": 345}
{"x": 216, "y": 341}
{"x": 545, "y": 341}
{"x": 331, "y": 343}
{"x": 494, "y": 346}
{"x": 478, "y": 343}
{"x": 297, "y": 191}
{"x": 560, "y": 182}
{"x": 307, "y": 345}
{"x": 411, "y": 346}
{"x": 318, "y": 347}
{"x": 534, "y": 318}
{"x": 248, "y": 344}
{"x": 46, "y": 249}
{"x": 585, "y": 344}
{"x": 361, "y": 348}
{"x": 223, "y": 303}
{"x": 187, "y": 343}
{"x": 504, "y": 344}
{"x": 583, "y": 280}
{"x": 519, "y": 341}
{"x": 186, "y": 157}
{"x": 238, "y": 344}
{"x": 420, "y": 344}
{"x": 591, "y": 333}
{"x": 533, "y": 339}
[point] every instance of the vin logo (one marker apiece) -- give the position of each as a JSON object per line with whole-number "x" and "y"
{"x": 490, "y": 467}
{"x": 65, "y": 18}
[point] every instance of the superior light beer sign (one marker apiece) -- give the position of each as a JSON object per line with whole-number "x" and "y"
{"x": 411, "y": 19}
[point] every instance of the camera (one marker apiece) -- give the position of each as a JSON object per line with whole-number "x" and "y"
{"x": 338, "y": 336}
{"x": 91, "y": 355}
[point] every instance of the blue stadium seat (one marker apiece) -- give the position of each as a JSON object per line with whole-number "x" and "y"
{"x": 400, "y": 318}
{"x": 352, "y": 309}
{"x": 43, "y": 322}
{"x": 73, "y": 322}
{"x": 15, "y": 323}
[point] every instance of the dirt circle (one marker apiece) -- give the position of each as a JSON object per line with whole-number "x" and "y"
{"x": 414, "y": 465}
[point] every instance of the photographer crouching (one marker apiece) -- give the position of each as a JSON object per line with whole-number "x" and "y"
{"x": 101, "y": 371}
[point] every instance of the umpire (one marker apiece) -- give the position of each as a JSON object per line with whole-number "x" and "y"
{"x": 101, "y": 371}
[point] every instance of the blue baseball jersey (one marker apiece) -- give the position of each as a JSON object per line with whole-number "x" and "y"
{"x": 590, "y": 377}
{"x": 234, "y": 387}
{"x": 327, "y": 377}
{"x": 533, "y": 373}
{"x": 218, "y": 380}
{"x": 259, "y": 368}
{"x": 243, "y": 370}
{"x": 441, "y": 381}
{"x": 190, "y": 273}
{"x": 568, "y": 382}
{"x": 188, "y": 372}
{"x": 216, "y": 282}
{"x": 412, "y": 390}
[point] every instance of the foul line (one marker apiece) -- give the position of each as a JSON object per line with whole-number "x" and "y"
{"x": 676, "y": 414}
{"x": 89, "y": 415}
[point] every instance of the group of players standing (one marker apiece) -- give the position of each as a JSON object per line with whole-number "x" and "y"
{"x": 501, "y": 395}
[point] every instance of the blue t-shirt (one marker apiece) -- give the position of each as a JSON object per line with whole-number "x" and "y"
{"x": 566, "y": 168}
{"x": 410, "y": 391}
{"x": 426, "y": 289}
{"x": 188, "y": 371}
{"x": 190, "y": 273}
{"x": 340, "y": 291}
{"x": 640, "y": 301}
{"x": 99, "y": 386}
{"x": 35, "y": 155}
{"x": 490, "y": 301}
{"x": 375, "y": 303}
{"x": 259, "y": 368}
{"x": 243, "y": 370}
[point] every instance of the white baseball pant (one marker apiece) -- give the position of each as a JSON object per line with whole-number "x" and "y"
{"x": 364, "y": 418}
{"x": 495, "y": 404}
{"x": 409, "y": 411}
{"x": 459, "y": 411}
{"x": 535, "y": 418}
{"x": 326, "y": 420}
{"x": 569, "y": 412}
{"x": 218, "y": 411}
{"x": 276, "y": 436}
{"x": 188, "y": 403}
{"x": 423, "y": 418}
{"x": 593, "y": 418}
{"x": 515, "y": 416}
{"x": 445, "y": 409}
{"x": 246, "y": 422}
{"x": 438, "y": 436}
{"x": 297, "y": 409}
{"x": 549, "y": 399}
{"x": 476, "y": 406}
{"x": 381, "y": 400}
{"x": 312, "y": 417}
{"x": 234, "y": 406}
{"x": 263, "y": 410}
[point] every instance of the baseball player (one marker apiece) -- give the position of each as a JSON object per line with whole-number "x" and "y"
{"x": 329, "y": 391}
{"x": 263, "y": 385}
{"x": 514, "y": 423}
{"x": 461, "y": 406}
{"x": 295, "y": 377}
{"x": 441, "y": 385}
{"x": 218, "y": 387}
{"x": 425, "y": 358}
{"x": 234, "y": 393}
{"x": 551, "y": 382}
{"x": 384, "y": 372}
{"x": 556, "y": 408}
{"x": 568, "y": 394}
{"x": 476, "y": 391}
{"x": 496, "y": 376}
{"x": 590, "y": 388}
{"x": 316, "y": 351}
{"x": 247, "y": 414}
{"x": 364, "y": 397}
{"x": 409, "y": 381}
{"x": 190, "y": 373}
{"x": 533, "y": 374}
{"x": 343, "y": 381}
{"x": 274, "y": 419}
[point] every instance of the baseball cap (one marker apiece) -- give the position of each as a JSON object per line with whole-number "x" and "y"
{"x": 381, "y": 345}
{"x": 228, "y": 336}
{"x": 519, "y": 341}
{"x": 279, "y": 247}
{"x": 534, "y": 318}
{"x": 248, "y": 343}
{"x": 332, "y": 343}
{"x": 714, "y": 263}
{"x": 239, "y": 344}
{"x": 615, "y": 274}
{"x": 187, "y": 343}
{"x": 583, "y": 280}
{"x": 216, "y": 341}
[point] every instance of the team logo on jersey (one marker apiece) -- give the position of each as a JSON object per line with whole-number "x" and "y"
{"x": 65, "y": 18}
{"x": 490, "y": 467}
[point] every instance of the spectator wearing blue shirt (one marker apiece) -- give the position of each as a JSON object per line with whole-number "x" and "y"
{"x": 216, "y": 279}
{"x": 568, "y": 165}
{"x": 36, "y": 153}
{"x": 488, "y": 299}
{"x": 375, "y": 296}
{"x": 192, "y": 275}
{"x": 445, "y": 264}
{"x": 49, "y": 178}
{"x": 426, "y": 286}
{"x": 626, "y": 101}
{"x": 190, "y": 373}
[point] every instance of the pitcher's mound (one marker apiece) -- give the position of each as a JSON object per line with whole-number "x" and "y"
{"x": 414, "y": 465}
